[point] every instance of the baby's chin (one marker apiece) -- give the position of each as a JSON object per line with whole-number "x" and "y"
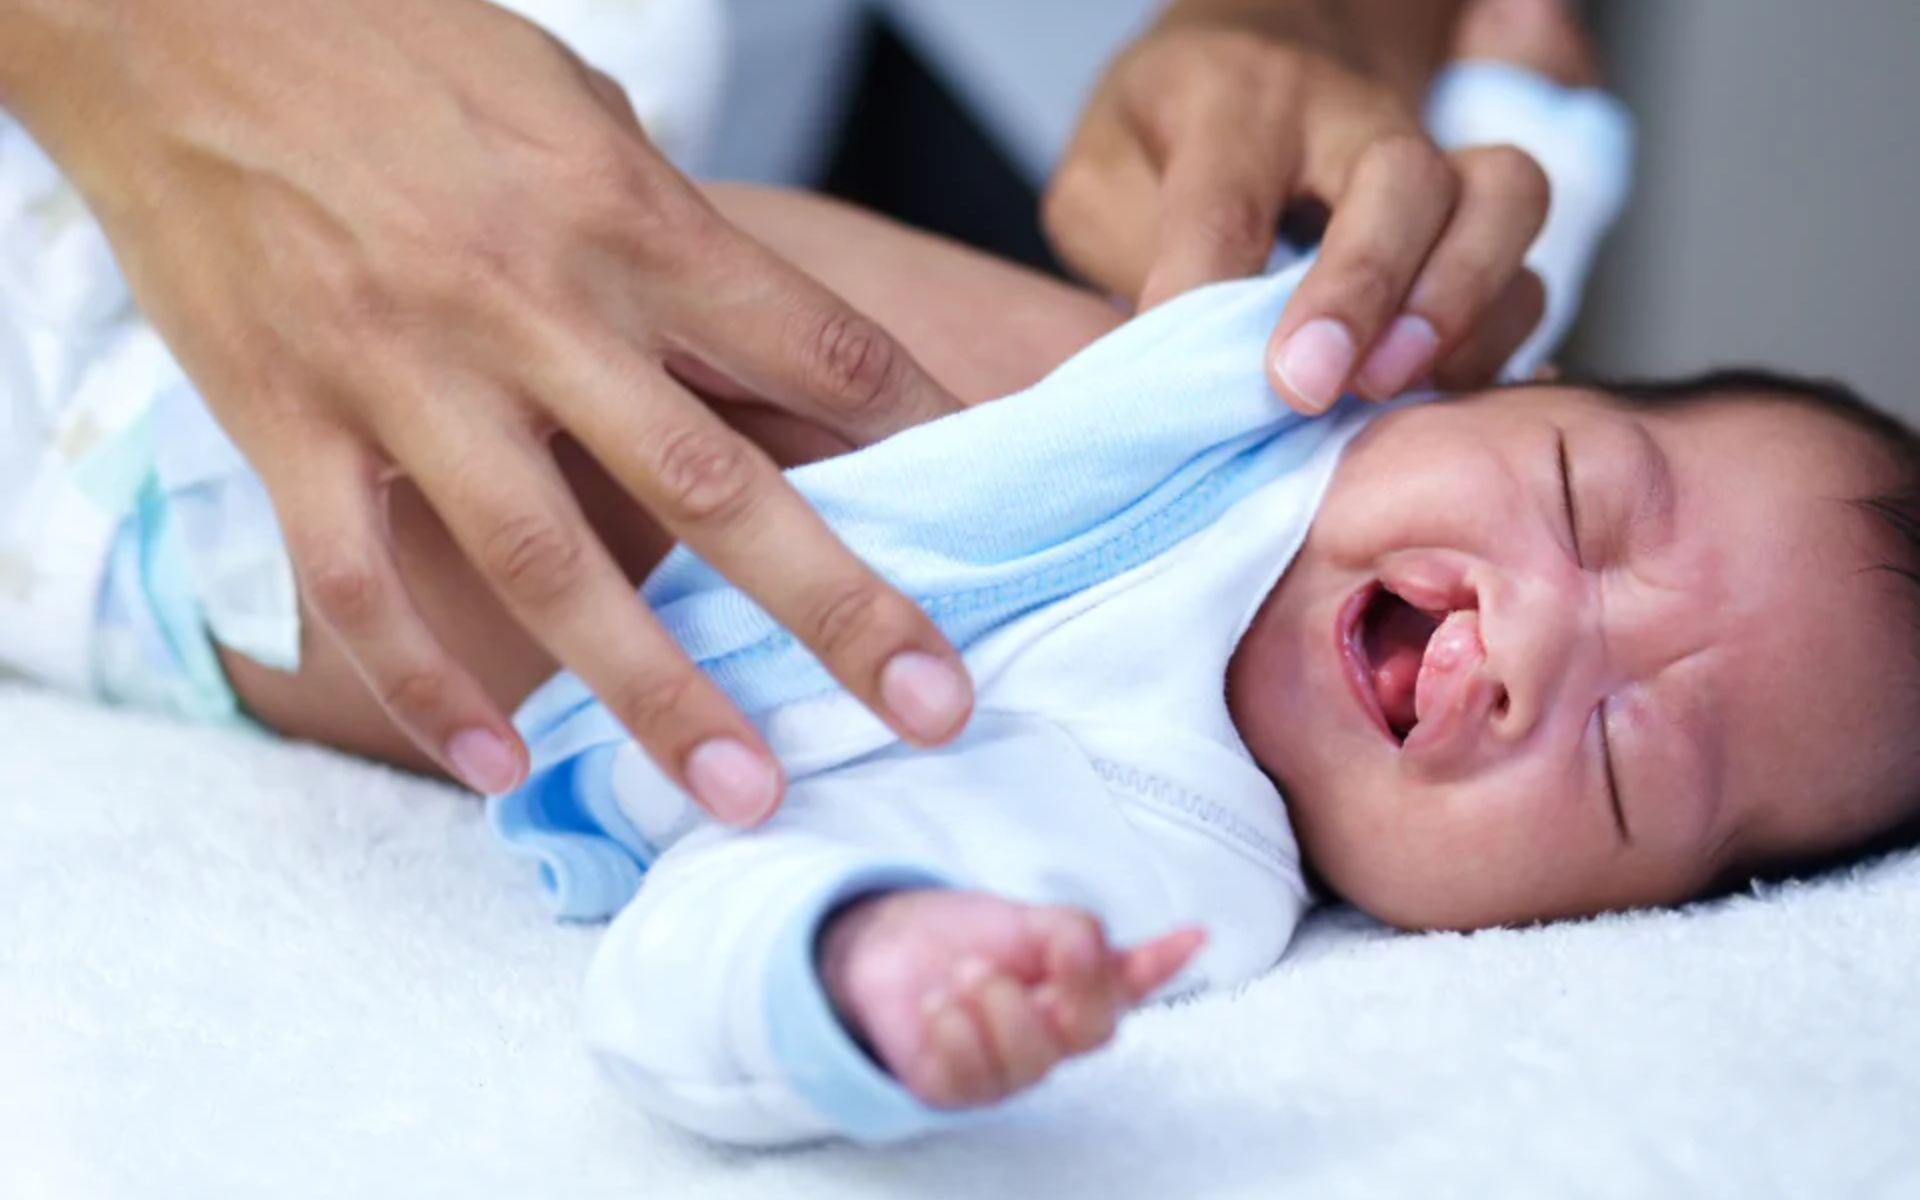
{"x": 1423, "y": 899}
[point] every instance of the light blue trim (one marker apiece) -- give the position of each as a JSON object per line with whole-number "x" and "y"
{"x": 590, "y": 857}
{"x": 1135, "y": 444}
{"x": 835, "y": 1077}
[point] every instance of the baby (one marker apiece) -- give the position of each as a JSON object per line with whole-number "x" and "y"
{"x": 1532, "y": 653}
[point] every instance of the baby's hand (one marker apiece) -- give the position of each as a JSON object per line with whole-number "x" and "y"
{"x": 967, "y": 998}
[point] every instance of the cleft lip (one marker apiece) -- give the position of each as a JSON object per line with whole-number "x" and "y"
{"x": 1437, "y": 597}
{"x": 1439, "y": 594}
{"x": 1454, "y": 691}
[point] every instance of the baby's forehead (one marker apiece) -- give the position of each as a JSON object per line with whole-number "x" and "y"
{"x": 1820, "y": 679}
{"x": 1744, "y": 418}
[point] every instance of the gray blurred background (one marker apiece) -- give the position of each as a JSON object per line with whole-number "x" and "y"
{"x": 1779, "y": 178}
{"x": 1779, "y": 156}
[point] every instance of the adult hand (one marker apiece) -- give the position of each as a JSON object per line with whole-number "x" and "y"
{"x": 420, "y": 238}
{"x": 1207, "y": 129}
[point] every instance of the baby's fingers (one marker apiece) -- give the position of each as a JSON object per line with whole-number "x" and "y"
{"x": 1146, "y": 968}
{"x": 1018, "y": 1040}
{"x": 1081, "y": 998}
{"x": 954, "y": 1070}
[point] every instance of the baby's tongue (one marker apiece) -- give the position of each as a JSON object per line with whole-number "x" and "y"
{"x": 1397, "y": 644}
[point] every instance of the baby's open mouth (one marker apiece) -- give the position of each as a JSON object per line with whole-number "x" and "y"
{"x": 1393, "y": 641}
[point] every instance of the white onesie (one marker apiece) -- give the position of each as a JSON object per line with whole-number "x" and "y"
{"x": 1101, "y": 768}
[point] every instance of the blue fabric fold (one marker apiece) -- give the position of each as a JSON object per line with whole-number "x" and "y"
{"x": 1139, "y": 441}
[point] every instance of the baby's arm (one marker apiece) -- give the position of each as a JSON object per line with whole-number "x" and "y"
{"x": 966, "y": 997}
{"x": 811, "y": 978}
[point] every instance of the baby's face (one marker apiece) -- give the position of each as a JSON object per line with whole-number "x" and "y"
{"x": 1694, "y": 671}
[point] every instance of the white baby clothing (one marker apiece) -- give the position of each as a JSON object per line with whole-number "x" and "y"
{"x": 1100, "y": 768}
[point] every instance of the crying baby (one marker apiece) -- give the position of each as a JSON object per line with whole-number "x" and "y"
{"x": 1533, "y": 653}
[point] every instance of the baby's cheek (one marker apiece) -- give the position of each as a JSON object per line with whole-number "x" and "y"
{"x": 1462, "y": 857}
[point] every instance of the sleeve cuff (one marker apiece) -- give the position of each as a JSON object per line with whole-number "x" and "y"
{"x": 820, "y": 1059}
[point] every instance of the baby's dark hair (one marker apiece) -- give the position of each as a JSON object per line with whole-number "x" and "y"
{"x": 1894, "y": 507}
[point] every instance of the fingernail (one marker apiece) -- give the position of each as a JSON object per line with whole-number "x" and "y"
{"x": 928, "y": 695}
{"x": 482, "y": 761}
{"x": 1315, "y": 361}
{"x": 1401, "y": 356}
{"x": 731, "y": 781}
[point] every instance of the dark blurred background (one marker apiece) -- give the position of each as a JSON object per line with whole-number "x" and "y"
{"x": 1772, "y": 222}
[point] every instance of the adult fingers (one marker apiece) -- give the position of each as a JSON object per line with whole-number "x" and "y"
{"x": 506, "y": 505}
{"x": 1506, "y": 323}
{"x": 1220, "y": 209}
{"x": 1227, "y": 167}
{"x": 1503, "y": 203}
{"x": 329, "y": 505}
{"x": 792, "y": 343}
{"x": 1101, "y": 208}
{"x": 721, "y": 495}
{"x": 1389, "y": 207}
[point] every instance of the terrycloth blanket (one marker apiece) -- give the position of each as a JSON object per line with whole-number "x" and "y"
{"x": 236, "y": 968}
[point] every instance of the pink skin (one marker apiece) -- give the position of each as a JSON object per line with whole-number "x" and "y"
{"x": 1719, "y": 606}
{"x": 968, "y": 998}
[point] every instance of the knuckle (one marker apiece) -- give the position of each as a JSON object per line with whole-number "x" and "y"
{"x": 1513, "y": 175}
{"x": 654, "y": 701}
{"x": 847, "y": 616}
{"x": 705, "y": 476}
{"x": 1069, "y": 198}
{"x": 1234, "y": 222}
{"x": 1451, "y": 297}
{"x": 344, "y": 588}
{"x": 352, "y": 300}
{"x": 610, "y": 92}
{"x": 1411, "y": 162}
{"x": 1084, "y": 928}
{"x": 620, "y": 197}
{"x": 1368, "y": 284}
{"x": 416, "y": 692}
{"x": 1240, "y": 58}
{"x": 481, "y": 264}
{"x": 531, "y": 558}
{"x": 601, "y": 173}
{"x": 1084, "y": 221}
{"x": 851, "y": 362}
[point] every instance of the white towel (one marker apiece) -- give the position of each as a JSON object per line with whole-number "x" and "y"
{"x": 235, "y": 968}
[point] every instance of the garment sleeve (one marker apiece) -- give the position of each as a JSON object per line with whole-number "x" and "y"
{"x": 703, "y": 1002}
